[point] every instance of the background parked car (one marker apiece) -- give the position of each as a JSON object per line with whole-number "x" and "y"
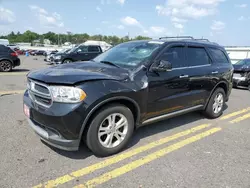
{"x": 241, "y": 75}
{"x": 79, "y": 53}
{"x": 50, "y": 52}
{"x": 8, "y": 59}
{"x": 13, "y": 46}
{"x": 48, "y": 55}
{"x": 40, "y": 52}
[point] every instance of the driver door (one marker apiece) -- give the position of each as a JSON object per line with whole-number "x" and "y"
{"x": 168, "y": 90}
{"x": 82, "y": 53}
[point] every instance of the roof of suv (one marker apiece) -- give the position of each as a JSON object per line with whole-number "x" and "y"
{"x": 187, "y": 40}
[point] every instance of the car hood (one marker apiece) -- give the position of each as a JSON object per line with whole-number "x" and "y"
{"x": 78, "y": 72}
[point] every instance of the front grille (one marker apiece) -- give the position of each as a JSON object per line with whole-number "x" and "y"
{"x": 39, "y": 93}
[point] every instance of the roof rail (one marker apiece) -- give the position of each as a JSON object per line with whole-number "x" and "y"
{"x": 177, "y": 37}
{"x": 203, "y": 39}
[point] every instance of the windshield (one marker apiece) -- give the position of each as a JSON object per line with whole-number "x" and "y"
{"x": 243, "y": 62}
{"x": 129, "y": 54}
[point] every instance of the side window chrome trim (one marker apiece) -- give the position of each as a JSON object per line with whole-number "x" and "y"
{"x": 191, "y": 67}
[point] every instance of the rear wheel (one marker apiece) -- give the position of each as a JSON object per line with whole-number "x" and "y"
{"x": 216, "y": 104}
{"x": 5, "y": 66}
{"x": 110, "y": 130}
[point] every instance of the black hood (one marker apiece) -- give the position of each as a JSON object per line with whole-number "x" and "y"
{"x": 79, "y": 72}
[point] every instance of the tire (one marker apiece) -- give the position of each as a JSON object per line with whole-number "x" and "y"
{"x": 210, "y": 111}
{"x": 67, "y": 61}
{"x": 5, "y": 66}
{"x": 96, "y": 143}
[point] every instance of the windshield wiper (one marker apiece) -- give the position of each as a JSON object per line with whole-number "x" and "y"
{"x": 109, "y": 63}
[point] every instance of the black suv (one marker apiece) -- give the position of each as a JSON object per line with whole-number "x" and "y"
{"x": 8, "y": 59}
{"x": 241, "y": 75}
{"x": 79, "y": 53}
{"x": 133, "y": 84}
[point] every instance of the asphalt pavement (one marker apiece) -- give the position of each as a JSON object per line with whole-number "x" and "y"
{"x": 187, "y": 151}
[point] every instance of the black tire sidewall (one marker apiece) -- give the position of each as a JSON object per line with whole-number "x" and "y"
{"x": 92, "y": 133}
{"x": 209, "y": 110}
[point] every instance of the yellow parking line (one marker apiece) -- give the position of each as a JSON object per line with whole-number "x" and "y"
{"x": 13, "y": 73}
{"x": 239, "y": 119}
{"x": 144, "y": 160}
{"x": 11, "y": 92}
{"x": 84, "y": 171}
{"x": 235, "y": 113}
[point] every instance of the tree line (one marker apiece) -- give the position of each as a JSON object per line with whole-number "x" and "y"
{"x": 59, "y": 39}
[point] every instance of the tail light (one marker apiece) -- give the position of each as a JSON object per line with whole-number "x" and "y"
{"x": 14, "y": 54}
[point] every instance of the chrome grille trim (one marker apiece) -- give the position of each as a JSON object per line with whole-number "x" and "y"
{"x": 33, "y": 92}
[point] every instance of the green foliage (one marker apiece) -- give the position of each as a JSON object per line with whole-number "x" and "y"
{"x": 29, "y": 37}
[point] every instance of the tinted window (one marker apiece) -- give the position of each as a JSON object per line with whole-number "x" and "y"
{"x": 93, "y": 49}
{"x": 197, "y": 56}
{"x": 4, "y": 48}
{"x": 82, "y": 49}
{"x": 175, "y": 55}
{"x": 218, "y": 56}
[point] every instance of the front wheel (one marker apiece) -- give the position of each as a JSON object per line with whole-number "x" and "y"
{"x": 110, "y": 130}
{"x": 216, "y": 104}
{"x": 67, "y": 61}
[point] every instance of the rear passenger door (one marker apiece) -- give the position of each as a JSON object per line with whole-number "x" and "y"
{"x": 93, "y": 51}
{"x": 222, "y": 67}
{"x": 199, "y": 70}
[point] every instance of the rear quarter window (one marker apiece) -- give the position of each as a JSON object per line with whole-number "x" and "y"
{"x": 218, "y": 55}
{"x": 4, "y": 48}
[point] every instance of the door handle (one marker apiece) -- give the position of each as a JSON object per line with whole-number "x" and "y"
{"x": 215, "y": 72}
{"x": 184, "y": 76}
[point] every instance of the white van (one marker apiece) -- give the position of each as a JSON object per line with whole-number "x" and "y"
{"x": 4, "y": 41}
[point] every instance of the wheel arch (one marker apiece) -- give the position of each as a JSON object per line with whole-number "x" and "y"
{"x": 6, "y": 59}
{"x": 126, "y": 101}
{"x": 221, "y": 84}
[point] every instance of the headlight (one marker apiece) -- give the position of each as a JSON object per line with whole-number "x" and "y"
{"x": 66, "y": 94}
{"x": 57, "y": 57}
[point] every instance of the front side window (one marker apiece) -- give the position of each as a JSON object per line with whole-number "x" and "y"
{"x": 218, "y": 55}
{"x": 93, "y": 49}
{"x": 176, "y": 56}
{"x": 82, "y": 49}
{"x": 197, "y": 56}
{"x": 129, "y": 54}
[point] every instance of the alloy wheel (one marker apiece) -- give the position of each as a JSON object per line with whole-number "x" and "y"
{"x": 5, "y": 66}
{"x": 113, "y": 130}
{"x": 218, "y": 103}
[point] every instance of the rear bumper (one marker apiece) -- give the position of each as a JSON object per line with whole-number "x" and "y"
{"x": 16, "y": 62}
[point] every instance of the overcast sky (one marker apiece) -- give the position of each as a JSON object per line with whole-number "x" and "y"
{"x": 223, "y": 21}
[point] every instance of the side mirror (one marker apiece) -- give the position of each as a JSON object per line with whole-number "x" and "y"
{"x": 162, "y": 66}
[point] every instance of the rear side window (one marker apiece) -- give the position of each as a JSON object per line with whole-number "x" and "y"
{"x": 93, "y": 49}
{"x": 218, "y": 55}
{"x": 197, "y": 56}
{"x": 175, "y": 55}
{"x": 4, "y": 48}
